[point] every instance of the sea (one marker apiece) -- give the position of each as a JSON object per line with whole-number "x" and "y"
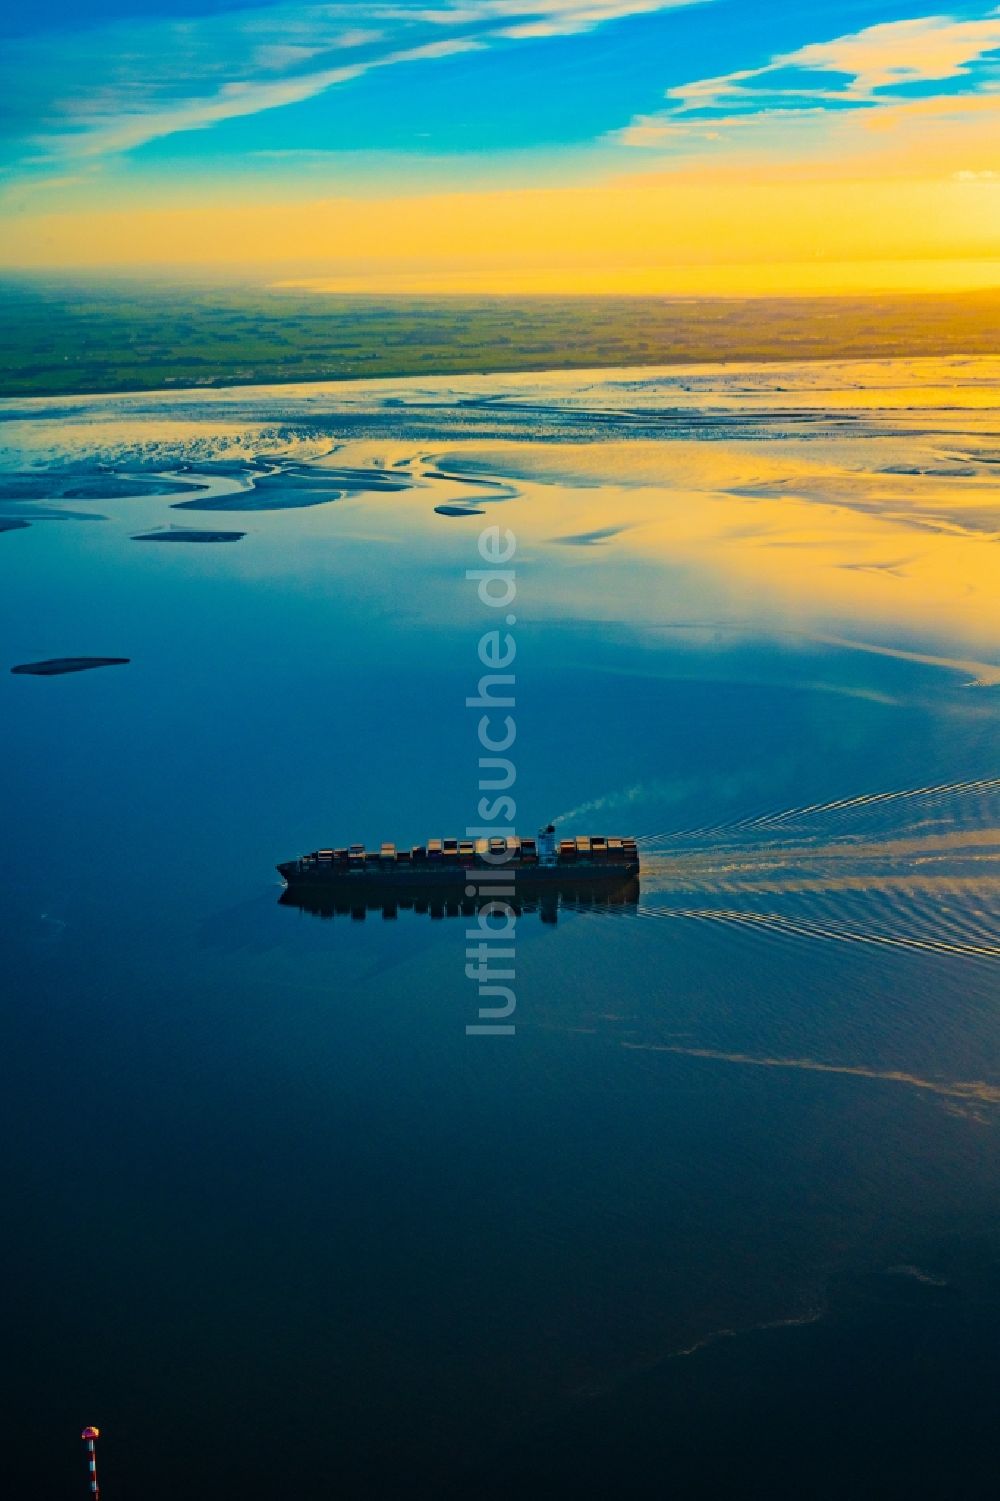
{"x": 717, "y": 1211}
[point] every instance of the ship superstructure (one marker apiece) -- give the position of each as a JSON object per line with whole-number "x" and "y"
{"x": 543, "y": 861}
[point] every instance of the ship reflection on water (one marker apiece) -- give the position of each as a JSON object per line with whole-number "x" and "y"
{"x": 446, "y": 902}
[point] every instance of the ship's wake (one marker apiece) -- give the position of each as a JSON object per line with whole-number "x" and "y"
{"x": 914, "y": 869}
{"x": 970, "y": 1091}
{"x": 966, "y": 798}
{"x": 805, "y": 928}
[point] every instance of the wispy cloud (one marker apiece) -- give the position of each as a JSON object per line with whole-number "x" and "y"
{"x": 562, "y": 19}
{"x": 144, "y": 81}
{"x": 903, "y": 52}
{"x": 534, "y": 18}
{"x": 240, "y": 98}
{"x": 874, "y": 70}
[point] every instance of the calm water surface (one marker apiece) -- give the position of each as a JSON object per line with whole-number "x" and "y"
{"x": 273, "y": 1220}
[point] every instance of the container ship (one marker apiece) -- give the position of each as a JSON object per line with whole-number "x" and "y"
{"x": 543, "y": 863}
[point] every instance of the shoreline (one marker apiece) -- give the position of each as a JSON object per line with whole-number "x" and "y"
{"x": 632, "y": 369}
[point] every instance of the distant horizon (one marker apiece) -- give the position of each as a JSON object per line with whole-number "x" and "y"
{"x": 737, "y": 281}
{"x": 277, "y": 279}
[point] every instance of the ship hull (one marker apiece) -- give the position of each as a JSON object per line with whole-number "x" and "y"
{"x": 592, "y": 874}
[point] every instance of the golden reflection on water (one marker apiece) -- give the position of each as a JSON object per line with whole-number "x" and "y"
{"x": 907, "y": 539}
{"x": 853, "y": 503}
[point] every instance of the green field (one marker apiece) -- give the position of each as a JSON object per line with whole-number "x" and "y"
{"x": 58, "y": 338}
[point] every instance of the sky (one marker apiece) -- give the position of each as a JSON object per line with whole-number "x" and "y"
{"x": 675, "y": 146}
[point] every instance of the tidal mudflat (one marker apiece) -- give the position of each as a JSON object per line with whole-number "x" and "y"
{"x": 186, "y": 534}
{"x": 748, "y": 1123}
{"x": 54, "y": 667}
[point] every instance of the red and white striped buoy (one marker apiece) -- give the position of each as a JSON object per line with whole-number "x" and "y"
{"x": 90, "y": 1436}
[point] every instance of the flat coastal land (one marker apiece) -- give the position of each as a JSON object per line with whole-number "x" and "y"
{"x": 59, "y": 338}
